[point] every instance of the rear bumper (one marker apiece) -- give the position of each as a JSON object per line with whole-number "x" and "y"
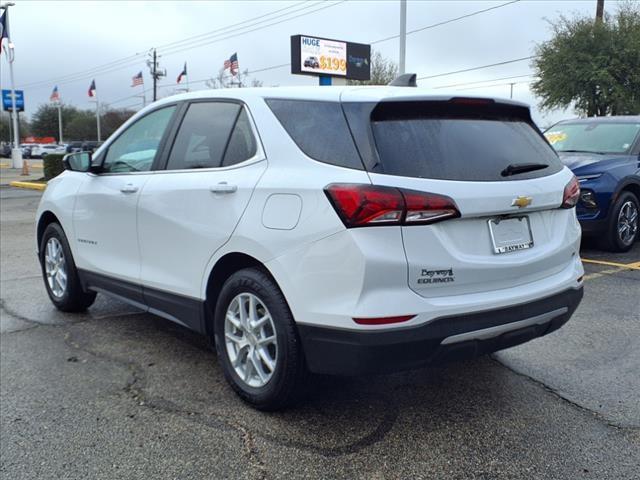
{"x": 349, "y": 352}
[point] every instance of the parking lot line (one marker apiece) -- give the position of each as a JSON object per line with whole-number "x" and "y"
{"x": 626, "y": 266}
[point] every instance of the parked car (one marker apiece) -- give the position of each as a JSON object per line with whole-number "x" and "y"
{"x": 51, "y": 148}
{"x": 5, "y": 150}
{"x": 337, "y": 231}
{"x": 27, "y": 149}
{"x": 74, "y": 147}
{"x": 604, "y": 153}
{"x": 90, "y": 146}
{"x": 311, "y": 62}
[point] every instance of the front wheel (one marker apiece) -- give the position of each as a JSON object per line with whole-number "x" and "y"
{"x": 257, "y": 342}
{"x": 60, "y": 274}
{"x": 624, "y": 224}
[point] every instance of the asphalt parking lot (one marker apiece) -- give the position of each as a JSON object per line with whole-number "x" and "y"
{"x": 115, "y": 393}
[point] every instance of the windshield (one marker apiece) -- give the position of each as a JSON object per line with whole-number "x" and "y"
{"x": 593, "y": 137}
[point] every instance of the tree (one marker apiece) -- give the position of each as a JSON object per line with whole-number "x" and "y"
{"x": 383, "y": 71}
{"x": 24, "y": 128}
{"x": 44, "y": 123}
{"x": 112, "y": 119}
{"x": 223, "y": 80}
{"x": 82, "y": 126}
{"x": 592, "y": 65}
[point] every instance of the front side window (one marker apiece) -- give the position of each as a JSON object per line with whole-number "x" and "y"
{"x": 136, "y": 148}
{"x": 212, "y": 134}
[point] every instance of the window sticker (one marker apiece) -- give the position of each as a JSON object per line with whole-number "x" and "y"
{"x": 555, "y": 137}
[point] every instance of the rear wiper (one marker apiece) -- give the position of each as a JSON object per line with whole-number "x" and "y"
{"x": 516, "y": 168}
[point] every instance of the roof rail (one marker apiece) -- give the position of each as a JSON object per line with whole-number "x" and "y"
{"x": 406, "y": 80}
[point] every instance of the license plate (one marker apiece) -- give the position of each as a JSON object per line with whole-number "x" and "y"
{"x": 510, "y": 234}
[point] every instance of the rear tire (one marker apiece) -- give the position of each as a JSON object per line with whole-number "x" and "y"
{"x": 60, "y": 274}
{"x": 624, "y": 224}
{"x": 251, "y": 311}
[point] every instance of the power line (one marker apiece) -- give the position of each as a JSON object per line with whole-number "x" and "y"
{"x": 86, "y": 73}
{"x": 126, "y": 62}
{"x": 495, "y": 85}
{"x": 480, "y": 81}
{"x": 451, "y": 20}
{"x": 216, "y": 40}
{"x": 506, "y": 62}
{"x": 273, "y": 67}
{"x": 233, "y": 27}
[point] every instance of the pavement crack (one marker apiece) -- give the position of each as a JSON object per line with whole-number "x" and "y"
{"x": 564, "y": 399}
{"x": 135, "y": 389}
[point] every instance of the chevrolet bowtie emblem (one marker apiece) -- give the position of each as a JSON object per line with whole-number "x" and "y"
{"x": 521, "y": 202}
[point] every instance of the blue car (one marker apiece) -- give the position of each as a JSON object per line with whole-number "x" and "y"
{"x": 604, "y": 153}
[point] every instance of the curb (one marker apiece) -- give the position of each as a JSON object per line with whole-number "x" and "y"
{"x": 29, "y": 185}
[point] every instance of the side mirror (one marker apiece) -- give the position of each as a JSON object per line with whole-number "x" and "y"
{"x": 77, "y": 162}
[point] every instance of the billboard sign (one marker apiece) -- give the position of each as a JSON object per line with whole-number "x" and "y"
{"x": 7, "y": 105}
{"x": 326, "y": 57}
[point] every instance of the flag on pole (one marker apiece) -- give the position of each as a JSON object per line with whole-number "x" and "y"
{"x": 92, "y": 89}
{"x": 232, "y": 64}
{"x": 4, "y": 28}
{"x": 137, "y": 79}
{"x": 55, "y": 95}
{"x": 183, "y": 73}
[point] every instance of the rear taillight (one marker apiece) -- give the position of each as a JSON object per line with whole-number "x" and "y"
{"x": 361, "y": 205}
{"x": 571, "y": 194}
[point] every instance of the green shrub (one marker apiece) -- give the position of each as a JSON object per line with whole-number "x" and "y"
{"x": 52, "y": 165}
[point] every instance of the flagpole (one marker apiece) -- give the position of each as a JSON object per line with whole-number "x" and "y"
{"x": 98, "y": 113}
{"x": 59, "y": 123}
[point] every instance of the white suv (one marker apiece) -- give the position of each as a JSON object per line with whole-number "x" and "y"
{"x": 336, "y": 230}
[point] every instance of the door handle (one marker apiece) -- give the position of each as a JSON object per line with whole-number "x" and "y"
{"x": 223, "y": 187}
{"x": 129, "y": 188}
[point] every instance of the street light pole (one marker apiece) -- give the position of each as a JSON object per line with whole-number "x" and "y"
{"x": 403, "y": 36}
{"x": 16, "y": 153}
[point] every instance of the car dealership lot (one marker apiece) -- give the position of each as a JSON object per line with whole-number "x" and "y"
{"x": 115, "y": 393}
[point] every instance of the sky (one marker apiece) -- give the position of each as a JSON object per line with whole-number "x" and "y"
{"x": 69, "y": 44}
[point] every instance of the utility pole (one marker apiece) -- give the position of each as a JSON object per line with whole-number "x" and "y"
{"x": 156, "y": 73}
{"x": 16, "y": 153}
{"x": 511, "y": 85}
{"x": 599, "y": 11}
{"x": 403, "y": 36}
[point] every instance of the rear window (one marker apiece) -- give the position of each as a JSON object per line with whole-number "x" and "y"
{"x": 442, "y": 141}
{"x": 319, "y": 129}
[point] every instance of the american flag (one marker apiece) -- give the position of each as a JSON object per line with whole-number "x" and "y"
{"x": 55, "y": 95}
{"x": 137, "y": 80}
{"x": 92, "y": 89}
{"x": 232, "y": 64}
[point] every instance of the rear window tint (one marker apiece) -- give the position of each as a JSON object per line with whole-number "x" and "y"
{"x": 461, "y": 149}
{"x": 319, "y": 129}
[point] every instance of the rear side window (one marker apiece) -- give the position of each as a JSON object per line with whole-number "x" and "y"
{"x": 203, "y": 135}
{"x": 319, "y": 129}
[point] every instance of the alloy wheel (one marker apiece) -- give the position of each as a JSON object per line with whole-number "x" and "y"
{"x": 250, "y": 340}
{"x": 628, "y": 222}
{"x": 55, "y": 266}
